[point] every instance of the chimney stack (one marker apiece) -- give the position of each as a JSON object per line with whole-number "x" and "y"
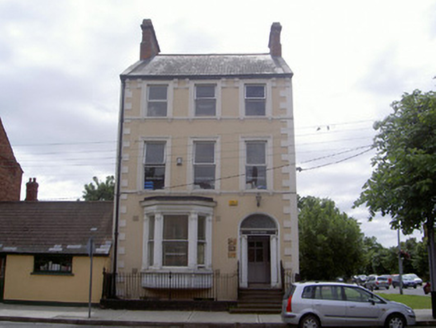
{"x": 149, "y": 45}
{"x": 32, "y": 190}
{"x": 275, "y": 47}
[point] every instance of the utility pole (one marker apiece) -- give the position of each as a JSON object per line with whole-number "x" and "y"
{"x": 400, "y": 264}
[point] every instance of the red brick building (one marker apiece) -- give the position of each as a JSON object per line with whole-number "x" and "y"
{"x": 10, "y": 170}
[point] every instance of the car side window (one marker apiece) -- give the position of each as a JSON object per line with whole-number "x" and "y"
{"x": 327, "y": 292}
{"x": 358, "y": 295}
{"x": 308, "y": 292}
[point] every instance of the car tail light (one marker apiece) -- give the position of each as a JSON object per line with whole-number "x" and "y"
{"x": 289, "y": 305}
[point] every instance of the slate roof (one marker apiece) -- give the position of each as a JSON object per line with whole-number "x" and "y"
{"x": 209, "y": 66}
{"x": 55, "y": 227}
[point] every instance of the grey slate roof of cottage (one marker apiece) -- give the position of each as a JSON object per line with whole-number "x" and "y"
{"x": 55, "y": 227}
{"x": 209, "y": 66}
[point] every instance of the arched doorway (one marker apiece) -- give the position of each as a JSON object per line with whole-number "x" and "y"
{"x": 259, "y": 256}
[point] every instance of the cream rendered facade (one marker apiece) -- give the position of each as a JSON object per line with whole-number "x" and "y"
{"x": 232, "y": 224}
{"x": 22, "y": 285}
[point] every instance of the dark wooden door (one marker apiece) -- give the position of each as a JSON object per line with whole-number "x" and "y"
{"x": 259, "y": 267}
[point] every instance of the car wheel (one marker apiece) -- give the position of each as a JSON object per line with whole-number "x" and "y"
{"x": 414, "y": 286}
{"x": 395, "y": 321}
{"x": 310, "y": 321}
{"x": 387, "y": 287}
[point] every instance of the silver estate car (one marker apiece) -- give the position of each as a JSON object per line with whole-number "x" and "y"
{"x": 317, "y": 304}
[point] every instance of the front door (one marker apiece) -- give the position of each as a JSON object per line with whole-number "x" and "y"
{"x": 259, "y": 268}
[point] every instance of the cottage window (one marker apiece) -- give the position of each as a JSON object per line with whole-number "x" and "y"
{"x": 255, "y": 167}
{"x": 157, "y": 100}
{"x": 154, "y": 165}
{"x": 205, "y": 100}
{"x": 53, "y": 263}
{"x": 255, "y": 100}
{"x": 204, "y": 165}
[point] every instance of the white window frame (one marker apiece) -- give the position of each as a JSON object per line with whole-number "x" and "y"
{"x": 144, "y": 99}
{"x": 159, "y": 211}
{"x": 190, "y": 166}
{"x": 192, "y": 99}
{"x": 141, "y": 162}
{"x": 269, "y": 162}
{"x": 203, "y": 164}
{"x": 242, "y": 98}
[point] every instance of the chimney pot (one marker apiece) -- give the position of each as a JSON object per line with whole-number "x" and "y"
{"x": 275, "y": 47}
{"x": 149, "y": 45}
{"x": 32, "y": 190}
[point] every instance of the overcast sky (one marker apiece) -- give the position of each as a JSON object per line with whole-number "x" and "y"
{"x": 60, "y": 62}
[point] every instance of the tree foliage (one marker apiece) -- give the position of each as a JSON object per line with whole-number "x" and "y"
{"x": 99, "y": 190}
{"x": 403, "y": 183}
{"x": 331, "y": 243}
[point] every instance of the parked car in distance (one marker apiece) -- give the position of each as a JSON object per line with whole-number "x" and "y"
{"x": 360, "y": 279}
{"x": 377, "y": 282}
{"x": 317, "y": 304}
{"x": 415, "y": 277}
{"x": 389, "y": 277}
{"x": 408, "y": 281}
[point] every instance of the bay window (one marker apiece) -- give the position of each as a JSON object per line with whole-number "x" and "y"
{"x": 175, "y": 240}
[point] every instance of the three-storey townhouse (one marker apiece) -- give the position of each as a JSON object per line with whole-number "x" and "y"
{"x": 206, "y": 181}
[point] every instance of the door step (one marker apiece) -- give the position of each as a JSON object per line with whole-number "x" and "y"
{"x": 259, "y": 300}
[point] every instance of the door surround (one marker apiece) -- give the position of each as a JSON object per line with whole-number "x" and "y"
{"x": 265, "y": 227}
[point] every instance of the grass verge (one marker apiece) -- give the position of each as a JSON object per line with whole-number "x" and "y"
{"x": 414, "y": 301}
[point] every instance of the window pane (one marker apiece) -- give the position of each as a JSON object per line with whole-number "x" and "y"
{"x": 151, "y": 228}
{"x": 151, "y": 253}
{"x": 201, "y": 230}
{"x": 256, "y": 152}
{"x": 154, "y": 177}
{"x": 154, "y": 152}
{"x": 205, "y": 107}
{"x": 175, "y": 253}
{"x": 157, "y": 109}
{"x": 200, "y": 253}
{"x": 204, "y": 152}
{"x": 53, "y": 263}
{"x": 205, "y": 91}
{"x": 255, "y": 107}
{"x": 204, "y": 177}
{"x": 255, "y": 177}
{"x": 157, "y": 92}
{"x": 175, "y": 227}
{"x": 255, "y": 91}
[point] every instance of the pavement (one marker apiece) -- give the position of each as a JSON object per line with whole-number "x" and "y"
{"x": 139, "y": 318}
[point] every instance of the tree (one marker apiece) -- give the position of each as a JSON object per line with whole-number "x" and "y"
{"x": 403, "y": 183}
{"x": 331, "y": 243}
{"x": 100, "y": 190}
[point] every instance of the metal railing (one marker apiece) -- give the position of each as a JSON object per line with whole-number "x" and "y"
{"x": 171, "y": 286}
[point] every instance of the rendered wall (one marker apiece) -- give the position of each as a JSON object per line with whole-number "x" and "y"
{"x": 22, "y": 285}
{"x": 279, "y": 202}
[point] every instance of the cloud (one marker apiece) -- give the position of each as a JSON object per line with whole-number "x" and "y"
{"x": 60, "y": 63}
